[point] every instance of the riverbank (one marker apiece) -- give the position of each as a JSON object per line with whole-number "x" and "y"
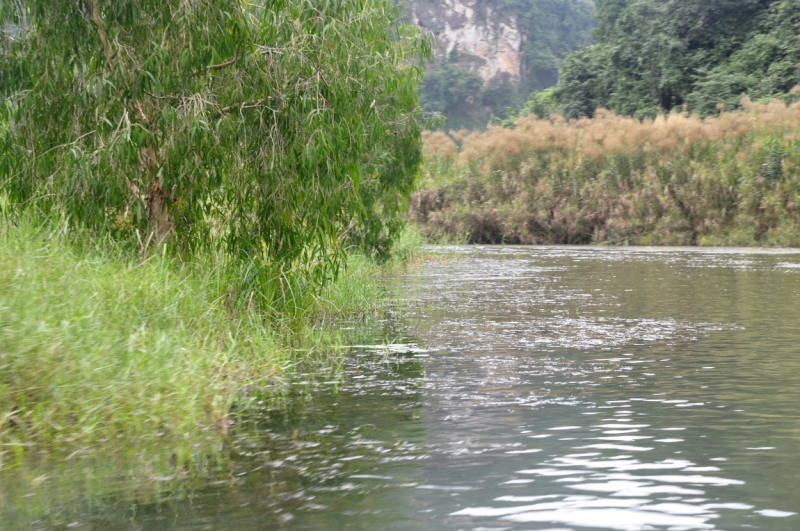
{"x": 674, "y": 370}
{"x": 733, "y": 179}
{"x": 98, "y": 347}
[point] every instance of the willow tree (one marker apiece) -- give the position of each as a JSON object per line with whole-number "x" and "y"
{"x": 281, "y": 129}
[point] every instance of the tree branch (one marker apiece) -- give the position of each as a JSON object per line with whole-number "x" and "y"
{"x": 101, "y": 32}
{"x": 224, "y": 65}
{"x": 242, "y": 106}
{"x": 160, "y": 97}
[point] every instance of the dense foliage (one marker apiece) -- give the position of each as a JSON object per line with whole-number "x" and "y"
{"x": 453, "y": 92}
{"x": 653, "y": 56}
{"x": 281, "y": 130}
{"x": 730, "y": 179}
{"x": 550, "y": 30}
{"x": 100, "y": 348}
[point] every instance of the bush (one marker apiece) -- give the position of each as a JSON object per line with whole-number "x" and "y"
{"x": 675, "y": 180}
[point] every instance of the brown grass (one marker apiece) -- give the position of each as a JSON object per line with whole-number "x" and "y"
{"x": 678, "y": 179}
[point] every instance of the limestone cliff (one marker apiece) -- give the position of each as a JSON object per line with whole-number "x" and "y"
{"x": 487, "y": 42}
{"x": 506, "y": 49}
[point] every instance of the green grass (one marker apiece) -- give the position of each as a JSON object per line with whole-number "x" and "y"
{"x": 98, "y": 347}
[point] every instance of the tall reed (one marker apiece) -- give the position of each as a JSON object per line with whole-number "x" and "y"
{"x": 730, "y": 179}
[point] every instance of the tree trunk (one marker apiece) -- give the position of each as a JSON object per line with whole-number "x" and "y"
{"x": 97, "y": 17}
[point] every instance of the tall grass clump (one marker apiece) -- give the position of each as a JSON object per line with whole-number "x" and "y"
{"x": 99, "y": 346}
{"x": 731, "y": 179}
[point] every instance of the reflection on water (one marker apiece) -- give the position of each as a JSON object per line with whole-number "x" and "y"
{"x": 535, "y": 389}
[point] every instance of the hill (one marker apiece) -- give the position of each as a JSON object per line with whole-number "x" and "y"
{"x": 654, "y": 55}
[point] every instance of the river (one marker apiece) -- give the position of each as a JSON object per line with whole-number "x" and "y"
{"x": 524, "y": 388}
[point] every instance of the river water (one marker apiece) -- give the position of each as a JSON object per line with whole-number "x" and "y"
{"x": 525, "y": 388}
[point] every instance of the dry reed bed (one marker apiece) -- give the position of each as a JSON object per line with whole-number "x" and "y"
{"x": 731, "y": 179}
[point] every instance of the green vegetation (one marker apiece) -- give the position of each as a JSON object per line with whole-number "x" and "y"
{"x": 572, "y": 169}
{"x": 97, "y": 346}
{"x": 550, "y": 31}
{"x": 653, "y": 56}
{"x": 731, "y": 179}
{"x": 280, "y": 131}
{"x": 191, "y": 193}
{"x": 453, "y": 92}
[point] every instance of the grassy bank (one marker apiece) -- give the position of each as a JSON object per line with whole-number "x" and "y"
{"x": 733, "y": 179}
{"x": 98, "y": 347}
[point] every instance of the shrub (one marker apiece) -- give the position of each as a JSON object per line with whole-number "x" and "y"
{"x": 675, "y": 179}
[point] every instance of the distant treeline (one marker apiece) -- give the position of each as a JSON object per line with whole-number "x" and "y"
{"x": 680, "y": 126}
{"x": 648, "y": 57}
{"x": 730, "y": 179}
{"x": 653, "y": 56}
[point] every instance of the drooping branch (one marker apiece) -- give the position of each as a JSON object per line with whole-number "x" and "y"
{"x": 225, "y": 64}
{"x": 222, "y": 111}
{"x": 101, "y": 32}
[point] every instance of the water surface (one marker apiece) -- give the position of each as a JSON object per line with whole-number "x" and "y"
{"x": 528, "y": 388}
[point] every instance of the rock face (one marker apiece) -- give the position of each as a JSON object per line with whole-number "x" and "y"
{"x": 485, "y": 42}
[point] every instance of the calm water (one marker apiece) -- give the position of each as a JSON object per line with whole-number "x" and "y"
{"x": 530, "y": 388}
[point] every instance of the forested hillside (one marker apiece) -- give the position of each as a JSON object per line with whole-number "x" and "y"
{"x": 491, "y": 54}
{"x": 653, "y": 56}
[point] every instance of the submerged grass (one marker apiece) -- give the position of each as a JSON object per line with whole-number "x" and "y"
{"x": 101, "y": 348}
{"x": 732, "y": 179}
